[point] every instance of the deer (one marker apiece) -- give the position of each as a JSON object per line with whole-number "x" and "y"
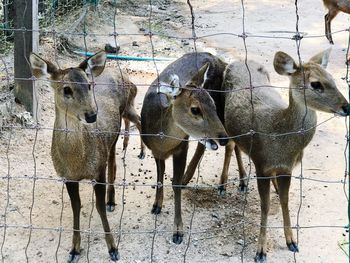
{"x": 176, "y": 107}
{"x": 271, "y": 146}
{"x": 89, "y": 106}
{"x": 334, "y": 7}
{"x": 214, "y": 86}
{"x": 185, "y": 67}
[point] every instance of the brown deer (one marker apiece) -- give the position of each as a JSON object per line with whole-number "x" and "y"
{"x": 192, "y": 61}
{"x": 89, "y": 106}
{"x": 185, "y": 67}
{"x": 272, "y": 147}
{"x": 171, "y": 113}
{"x": 334, "y": 7}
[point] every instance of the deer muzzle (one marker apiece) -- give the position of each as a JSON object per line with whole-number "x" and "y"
{"x": 345, "y": 108}
{"x": 90, "y": 117}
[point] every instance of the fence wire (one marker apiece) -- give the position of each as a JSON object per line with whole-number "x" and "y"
{"x": 52, "y": 15}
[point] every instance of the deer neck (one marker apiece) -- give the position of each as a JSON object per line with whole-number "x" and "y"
{"x": 299, "y": 114}
{"x": 64, "y": 122}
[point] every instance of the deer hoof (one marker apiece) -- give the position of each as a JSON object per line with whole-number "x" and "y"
{"x": 73, "y": 257}
{"x": 221, "y": 191}
{"x": 113, "y": 253}
{"x": 110, "y": 206}
{"x": 156, "y": 210}
{"x": 293, "y": 247}
{"x": 243, "y": 188}
{"x": 142, "y": 155}
{"x": 177, "y": 238}
{"x": 260, "y": 257}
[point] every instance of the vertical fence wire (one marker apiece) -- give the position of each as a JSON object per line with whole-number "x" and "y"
{"x": 347, "y": 148}
{"x": 298, "y": 39}
{"x": 125, "y": 87}
{"x": 60, "y": 228}
{"x": 159, "y": 170}
{"x": 8, "y": 175}
{"x": 252, "y": 121}
{"x": 194, "y": 36}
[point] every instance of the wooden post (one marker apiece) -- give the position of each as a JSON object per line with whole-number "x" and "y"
{"x": 26, "y": 40}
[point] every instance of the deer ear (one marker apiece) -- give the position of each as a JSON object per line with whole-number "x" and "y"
{"x": 41, "y": 67}
{"x": 95, "y": 64}
{"x": 200, "y": 78}
{"x": 284, "y": 64}
{"x": 173, "y": 89}
{"x": 322, "y": 58}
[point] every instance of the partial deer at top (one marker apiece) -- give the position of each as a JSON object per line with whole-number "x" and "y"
{"x": 173, "y": 110}
{"x": 89, "y": 105}
{"x": 334, "y": 7}
{"x": 281, "y": 130}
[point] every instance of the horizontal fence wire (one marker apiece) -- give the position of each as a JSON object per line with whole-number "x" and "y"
{"x": 56, "y": 13}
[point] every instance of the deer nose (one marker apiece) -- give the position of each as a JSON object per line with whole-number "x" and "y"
{"x": 223, "y": 140}
{"x": 345, "y": 108}
{"x": 90, "y": 117}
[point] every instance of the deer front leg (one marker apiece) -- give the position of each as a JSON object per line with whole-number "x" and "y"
{"x": 73, "y": 192}
{"x": 100, "y": 193}
{"x": 179, "y": 164}
{"x": 224, "y": 174}
{"x": 158, "y": 202}
{"x": 112, "y": 169}
{"x": 283, "y": 186}
{"x": 191, "y": 168}
{"x": 264, "y": 192}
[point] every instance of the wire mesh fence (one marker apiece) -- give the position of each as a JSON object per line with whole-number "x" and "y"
{"x": 36, "y": 218}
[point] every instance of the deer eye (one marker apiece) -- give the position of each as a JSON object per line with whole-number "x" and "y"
{"x": 67, "y": 91}
{"x": 195, "y": 110}
{"x": 316, "y": 85}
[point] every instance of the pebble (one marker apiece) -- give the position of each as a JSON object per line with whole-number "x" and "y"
{"x": 240, "y": 242}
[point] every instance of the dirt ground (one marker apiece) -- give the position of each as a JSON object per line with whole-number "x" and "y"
{"x": 218, "y": 227}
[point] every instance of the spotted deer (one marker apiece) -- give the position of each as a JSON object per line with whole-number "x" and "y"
{"x": 173, "y": 110}
{"x": 334, "y": 7}
{"x": 89, "y": 105}
{"x": 277, "y": 145}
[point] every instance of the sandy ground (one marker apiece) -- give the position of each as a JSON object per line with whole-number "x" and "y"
{"x": 217, "y": 223}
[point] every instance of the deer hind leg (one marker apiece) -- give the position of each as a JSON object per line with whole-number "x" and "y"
{"x": 112, "y": 169}
{"x": 100, "y": 193}
{"x": 243, "y": 180}
{"x": 191, "y": 168}
{"x": 275, "y": 184}
{"x": 132, "y": 116}
{"x": 179, "y": 164}
{"x": 158, "y": 202}
{"x": 283, "y": 186}
{"x": 224, "y": 174}
{"x": 126, "y": 135}
{"x": 264, "y": 192}
{"x": 73, "y": 192}
{"x": 328, "y": 18}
